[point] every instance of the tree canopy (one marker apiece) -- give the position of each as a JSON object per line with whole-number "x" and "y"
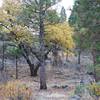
{"x": 60, "y": 34}
{"x": 9, "y": 22}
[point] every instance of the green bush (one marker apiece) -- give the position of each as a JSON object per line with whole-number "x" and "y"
{"x": 97, "y": 69}
{"x": 98, "y": 59}
{"x": 79, "y": 90}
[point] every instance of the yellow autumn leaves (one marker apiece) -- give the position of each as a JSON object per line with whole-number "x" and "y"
{"x": 13, "y": 7}
{"x": 8, "y": 16}
{"x": 95, "y": 89}
{"x": 9, "y": 10}
{"x": 14, "y": 90}
{"x": 22, "y": 34}
{"x": 60, "y": 34}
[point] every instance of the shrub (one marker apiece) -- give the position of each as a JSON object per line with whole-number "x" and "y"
{"x": 15, "y": 90}
{"x": 97, "y": 69}
{"x": 95, "y": 89}
{"x": 79, "y": 90}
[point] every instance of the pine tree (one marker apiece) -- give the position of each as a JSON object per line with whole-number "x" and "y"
{"x": 86, "y": 15}
{"x": 63, "y": 16}
{"x": 39, "y": 11}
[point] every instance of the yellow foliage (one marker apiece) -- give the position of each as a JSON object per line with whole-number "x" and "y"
{"x": 60, "y": 34}
{"x": 15, "y": 89}
{"x": 8, "y": 17}
{"x": 95, "y": 89}
{"x": 22, "y": 34}
{"x": 9, "y": 10}
{"x": 13, "y": 7}
{"x": 69, "y": 53}
{"x": 3, "y": 15}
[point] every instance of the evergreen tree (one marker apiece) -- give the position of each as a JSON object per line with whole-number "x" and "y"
{"x": 63, "y": 16}
{"x": 86, "y": 15}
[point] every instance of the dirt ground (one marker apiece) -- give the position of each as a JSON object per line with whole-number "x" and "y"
{"x": 61, "y": 82}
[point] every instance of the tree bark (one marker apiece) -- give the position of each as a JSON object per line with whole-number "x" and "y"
{"x": 41, "y": 38}
{"x": 33, "y": 71}
{"x": 36, "y": 69}
{"x": 30, "y": 65}
{"x": 55, "y": 56}
{"x": 16, "y": 67}
{"x": 79, "y": 56}
{"x": 42, "y": 77}
{"x": 67, "y": 55}
{"x": 3, "y": 56}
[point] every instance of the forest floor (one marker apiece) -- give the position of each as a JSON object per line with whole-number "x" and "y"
{"x": 61, "y": 82}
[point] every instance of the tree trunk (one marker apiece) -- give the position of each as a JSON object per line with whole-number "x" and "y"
{"x": 55, "y": 60}
{"x": 55, "y": 56}
{"x": 36, "y": 69}
{"x": 42, "y": 77}
{"x": 33, "y": 71}
{"x": 16, "y": 67}
{"x": 79, "y": 56}
{"x": 3, "y": 56}
{"x": 29, "y": 63}
{"x": 67, "y": 55}
{"x": 41, "y": 38}
{"x": 94, "y": 56}
{"x": 33, "y": 68}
